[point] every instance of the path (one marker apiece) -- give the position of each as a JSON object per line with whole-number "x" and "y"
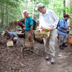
{"x": 10, "y": 59}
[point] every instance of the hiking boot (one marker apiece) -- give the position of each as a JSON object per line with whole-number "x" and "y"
{"x": 60, "y": 47}
{"x": 64, "y": 45}
{"x": 53, "y": 60}
{"x": 48, "y": 57}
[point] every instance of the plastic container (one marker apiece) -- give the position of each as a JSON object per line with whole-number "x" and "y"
{"x": 10, "y": 43}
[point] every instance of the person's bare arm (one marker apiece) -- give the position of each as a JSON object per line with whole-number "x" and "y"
{"x": 31, "y": 31}
{"x": 64, "y": 27}
{"x": 10, "y": 39}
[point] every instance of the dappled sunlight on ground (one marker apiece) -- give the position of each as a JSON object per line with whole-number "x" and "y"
{"x": 64, "y": 55}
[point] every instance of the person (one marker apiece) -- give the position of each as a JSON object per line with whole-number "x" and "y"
{"x": 10, "y": 36}
{"x": 21, "y": 23}
{"x": 28, "y": 25}
{"x": 48, "y": 18}
{"x": 62, "y": 31}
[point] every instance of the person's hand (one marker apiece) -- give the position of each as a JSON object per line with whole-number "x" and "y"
{"x": 42, "y": 28}
{"x": 29, "y": 35}
{"x": 4, "y": 40}
{"x": 69, "y": 27}
{"x": 51, "y": 27}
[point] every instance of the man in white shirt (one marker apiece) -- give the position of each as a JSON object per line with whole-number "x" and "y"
{"x": 48, "y": 18}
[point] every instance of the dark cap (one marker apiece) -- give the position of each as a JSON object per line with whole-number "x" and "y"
{"x": 66, "y": 15}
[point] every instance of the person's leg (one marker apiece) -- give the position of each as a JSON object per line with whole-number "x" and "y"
{"x": 32, "y": 38}
{"x": 52, "y": 44}
{"x": 15, "y": 39}
{"x": 46, "y": 43}
{"x": 27, "y": 33}
{"x": 65, "y": 41}
{"x": 61, "y": 41}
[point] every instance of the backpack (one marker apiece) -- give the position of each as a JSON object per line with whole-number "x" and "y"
{"x": 59, "y": 24}
{"x": 34, "y": 24}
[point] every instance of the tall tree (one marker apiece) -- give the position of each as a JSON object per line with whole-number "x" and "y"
{"x": 71, "y": 14}
{"x": 2, "y": 14}
{"x": 64, "y": 7}
{"x": 33, "y": 10}
{"x": 7, "y": 23}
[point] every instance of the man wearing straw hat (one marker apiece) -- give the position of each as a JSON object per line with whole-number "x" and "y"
{"x": 48, "y": 18}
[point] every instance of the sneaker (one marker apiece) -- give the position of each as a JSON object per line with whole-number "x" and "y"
{"x": 48, "y": 57}
{"x": 53, "y": 60}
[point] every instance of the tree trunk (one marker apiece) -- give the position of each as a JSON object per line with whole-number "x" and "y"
{"x": 53, "y": 4}
{"x": 26, "y": 4}
{"x": 33, "y": 10}
{"x": 21, "y": 13}
{"x": 2, "y": 15}
{"x": 64, "y": 7}
{"x": 7, "y": 23}
{"x": 71, "y": 14}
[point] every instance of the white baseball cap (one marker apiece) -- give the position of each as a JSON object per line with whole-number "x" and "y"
{"x": 39, "y": 5}
{"x": 3, "y": 33}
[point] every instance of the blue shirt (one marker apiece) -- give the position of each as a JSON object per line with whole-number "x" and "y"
{"x": 12, "y": 35}
{"x": 28, "y": 23}
{"x": 62, "y": 23}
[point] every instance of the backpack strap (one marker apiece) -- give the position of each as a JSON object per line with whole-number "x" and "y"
{"x": 64, "y": 25}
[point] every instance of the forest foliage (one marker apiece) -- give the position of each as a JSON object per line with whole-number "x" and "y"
{"x": 11, "y": 10}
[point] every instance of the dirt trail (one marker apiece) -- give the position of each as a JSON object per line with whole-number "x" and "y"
{"x": 11, "y": 61}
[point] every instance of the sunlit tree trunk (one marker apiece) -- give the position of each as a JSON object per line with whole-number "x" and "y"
{"x": 53, "y": 4}
{"x": 64, "y": 7}
{"x": 21, "y": 13}
{"x": 26, "y": 4}
{"x": 33, "y": 10}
